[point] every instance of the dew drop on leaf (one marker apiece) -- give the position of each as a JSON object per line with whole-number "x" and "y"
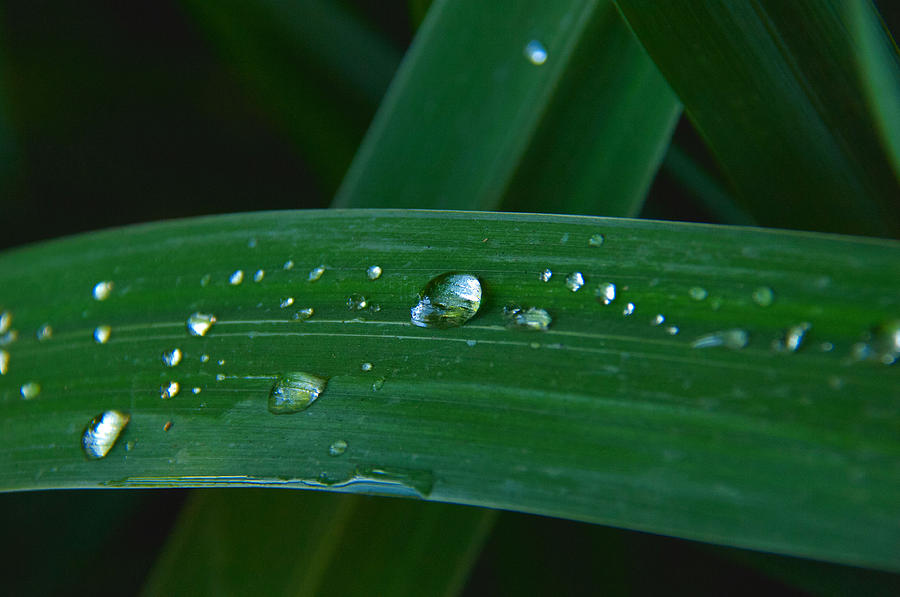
{"x": 198, "y": 324}
{"x": 294, "y": 392}
{"x": 698, "y": 293}
{"x": 316, "y": 273}
{"x": 287, "y": 302}
{"x": 447, "y": 301}
{"x": 169, "y": 390}
{"x": 535, "y": 52}
{"x": 5, "y": 321}
{"x": 30, "y": 390}
{"x": 763, "y": 296}
{"x": 172, "y": 357}
{"x": 596, "y": 240}
{"x": 357, "y": 302}
{"x": 4, "y": 362}
{"x": 366, "y": 367}
{"x": 374, "y": 272}
{"x": 337, "y": 448}
{"x": 606, "y": 293}
{"x": 45, "y": 332}
{"x": 575, "y": 281}
{"x": 102, "y": 290}
{"x": 259, "y": 275}
{"x": 734, "y": 339}
{"x": 546, "y": 275}
{"x": 102, "y": 333}
{"x": 628, "y": 310}
{"x": 532, "y": 319}
{"x": 102, "y": 432}
{"x": 236, "y": 278}
{"x": 304, "y": 314}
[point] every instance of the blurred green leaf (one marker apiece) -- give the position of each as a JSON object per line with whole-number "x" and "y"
{"x": 468, "y": 113}
{"x": 774, "y": 88}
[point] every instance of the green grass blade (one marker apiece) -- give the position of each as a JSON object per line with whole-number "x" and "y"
{"x": 309, "y": 543}
{"x": 604, "y": 417}
{"x": 313, "y": 65}
{"x": 774, "y": 88}
{"x": 470, "y": 122}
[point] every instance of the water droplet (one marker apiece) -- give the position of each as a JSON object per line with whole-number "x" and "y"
{"x": 236, "y": 278}
{"x": 697, "y": 293}
{"x": 596, "y": 240}
{"x": 886, "y": 342}
{"x": 535, "y": 52}
{"x": 546, "y": 275}
{"x": 366, "y": 366}
{"x": 304, "y": 314}
{"x": 672, "y": 330}
{"x": 9, "y": 337}
{"x": 45, "y": 332}
{"x": 102, "y": 432}
{"x": 294, "y": 392}
{"x": 204, "y": 358}
{"x": 259, "y": 275}
{"x": 30, "y": 390}
{"x": 763, "y": 296}
{"x": 337, "y": 448}
{"x": 628, "y": 310}
{"x": 4, "y": 362}
{"x": 564, "y": 238}
{"x": 221, "y": 362}
{"x": 574, "y": 281}
{"x": 447, "y": 301}
{"x": 861, "y": 351}
{"x": 734, "y": 339}
{"x": 357, "y": 302}
{"x": 170, "y": 390}
{"x": 826, "y": 346}
{"x": 316, "y": 273}
{"x": 531, "y": 318}
{"x": 374, "y": 272}
{"x": 471, "y": 342}
{"x": 288, "y": 265}
{"x": 196, "y": 390}
{"x": 172, "y": 357}
{"x": 129, "y": 445}
{"x": 378, "y": 384}
{"x": 658, "y": 320}
{"x": 793, "y": 337}
{"x": 102, "y": 290}
{"x": 606, "y": 293}
{"x": 102, "y": 333}
{"x": 220, "y": 377}
{"x": 5, "y": 321}
{"x": 285, "y": 303}
{"x": 204, "y": 281}
{"x": 252, "y": 243}
{"x": 199, "y": 323}
{"x": 167, "y": 426}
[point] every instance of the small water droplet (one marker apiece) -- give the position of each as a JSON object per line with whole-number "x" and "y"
{"x": 4, "y": 362}
{"x": 596, "y": 240}
{"x": 546, "y": 275}
{"x": 129, "y": 445}
{"x": 535, "y": 345}
{"x": 471, "y": 342}
{"x": 196, "y": 390}
{"x": 861, "y": 351}
{"x": 170, "y": 390}
{"x": 763, "y": 296}
{"x": 259, "y": 275}
{"x": 30, "y": 390}
{"x": 221, "y": 362}
{"x": 574, "y": 281}
{"x": 5, "y": 321}
{"x": 628, "y": 310}
{"x": 374, "y": 272}
{"x": 236, "y": 278}
{"x": 337, "y": 448}
{"x": 793, "y": 337}
{"x": 535, "y": 52}
{"x": 102, "y": 290}
{"x": 167, "y": 426}
{"x": 252, "y": 243}
{"x": 102, "y": 432}
{"x": 45, "y": 332}
{"x": 357, "y": 302}
{"x": 532, "y": 319}
{"x": 826, "y": 346}
{"x": 295, "y": 392}
{"x": 564, "y": 238}
{"x": 220, "y": 377}
{"x": 658, "y": 320}
{"x": 304, "y": 314}
{"x": 288, "y": 265}
{"x": 366, "y": 366}
{"x": 102, "y": 333}
{"x": 447, "y": 301}
{"x": 697, "y": 293}
{"x": 204, "y": 358}
{"x": 672, "y": 330}
{"x": 198, "y": 324}
{"x": 172, "y": 357}
{"x": 606, "y": 293}
{"x": 204, "y": 281}
{"x": 734, "y": 339}
{"x": 287, "y": 302}
{"x": 316, "y": 273}
{"x": 378, "y": 384}
{"x": 886, "y": 342}
{"x": 9, "y": 337}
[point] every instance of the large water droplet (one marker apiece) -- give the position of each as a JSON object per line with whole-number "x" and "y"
{"x": 734, "y": 339}
{"x": 4, "y": 362}
{"x": 574, "y": 281}
{"x": 45, "y": 332}
{"x": 532, "y": 318}
{"x": 30, "y": 390}
{"x": 337, "y": 448}
{"x": 763, "y": 296}
{"x": 596, "y": 240}
{"x": 374, "y": 272}
{"x": 199, "y": 323}
{"x": 546, "y": 275}
{"x": 357, "y": 302}
{"x": 535, "y": 52}
{"x": 697, "y": 293}
{"x": 294, "y": 392}
{"x": 169, "y": 390}
{"x": 172, "y": 357}
{"x": 236, "y": 278}
{"x": 5, "y": 321}
{"x": 606, "y": 293}
{"x": 102, "y": 333}
{"x": 447, "y": 301}
{"x": 102, "y": 290}
{"x": 102, "y": 432}
{"x": 316, "y": 273}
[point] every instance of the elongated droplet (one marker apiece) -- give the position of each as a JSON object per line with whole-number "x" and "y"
{"x": 170, "y": 390}
{"x": 30, "y": 390}
{"x": 295, "y": 392}
{"x": 45, "y": 332}
{"x": 447, "y": 301}
{"x": 596, "y": 240}
{"x": 606, "y": 293}
{"x": 102, "y": 290}
{"x": 697, "y": 293}
{"x": 304, "y": 314}
{"x": 658, "y": 320}
{"x": 357, "y": 302}
{"x": 259, "y": 275}
{"x": 172, "y": 357}
{"x": 574, "y": 281}
{"x": 102, "y": 333}
{"x": 236, "y": 278}
{"x": 102, "y": 432}
{"x": 763, "y": 296}
{"x": 4, "y": 362}
{"x": 316, "y": 273}
{"x": 672, "y": 330}
{"x": 337, "y": 448}
{"x": 535, "y": 52}
{"x": 199, "y": 323}
{"x": 734, "y": 339}
{"x": 288, "y": 265}
{"x": 5, "y": 321}
{"x": 628, "y": 310}
{"x": 532, "y": 319}
{"x": 205, "y": 280}
{"x": 374, "y": 272}
{"x": 886, "y": 342}
{"x": 287, "y": 302}
{"x": 546, "y": 275}
{"x": 793, "y": 337}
